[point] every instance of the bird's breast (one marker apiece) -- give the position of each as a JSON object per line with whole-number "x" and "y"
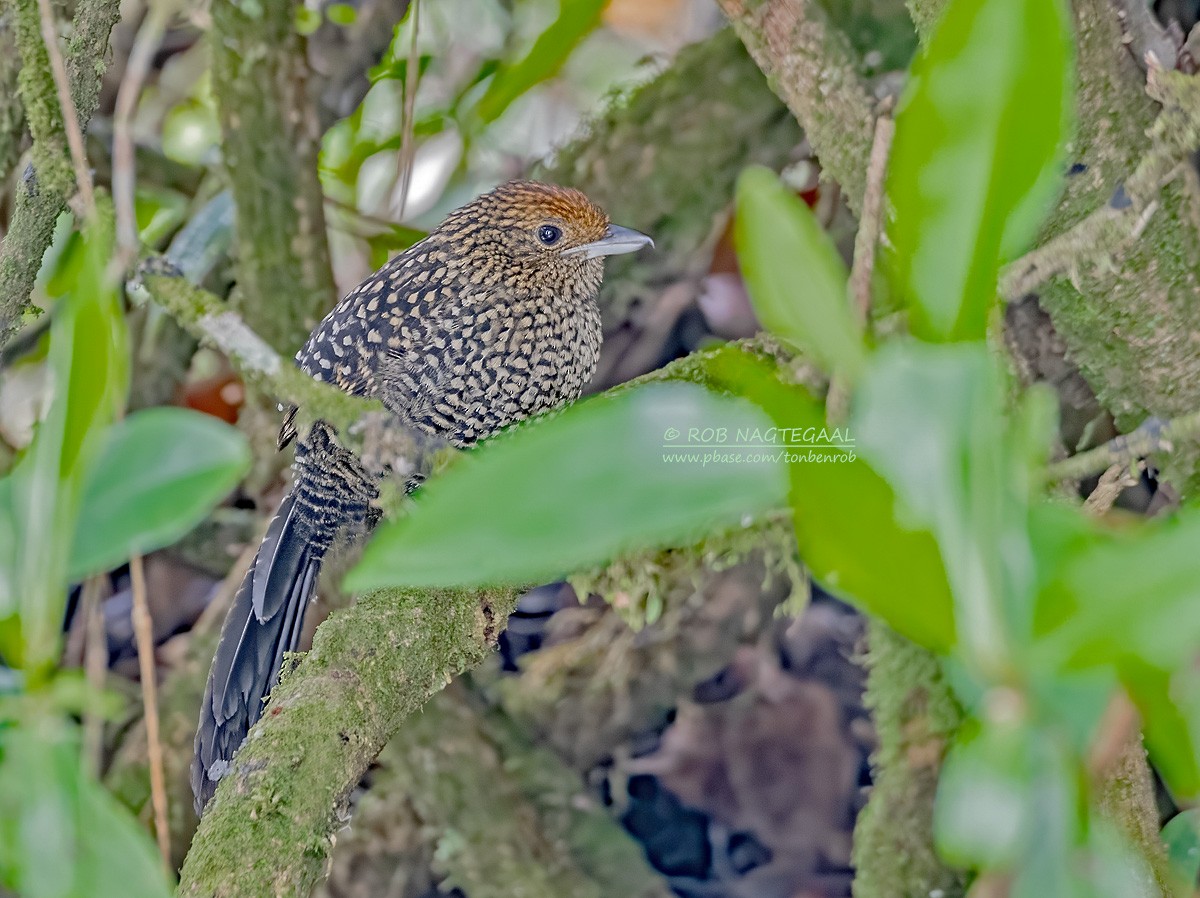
{"x": 482, "y": 366}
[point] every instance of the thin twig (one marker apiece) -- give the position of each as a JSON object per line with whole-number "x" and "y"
{"x": 95, "y": 666}
{"x": 124, "y": 173}
{"x": 83, "y": 174}
{"x": 408, "y": 136}
{"x": 209, "y": 319}
{"x": 143, "y": 631}
{"x": 870, "y": 223}
{"x": 1153, "y": 435}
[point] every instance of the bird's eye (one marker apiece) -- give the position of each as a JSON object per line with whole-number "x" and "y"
{"x": 549, "y": 234}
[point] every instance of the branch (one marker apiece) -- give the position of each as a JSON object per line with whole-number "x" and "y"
{"x": 211, "y": 321}
{"x": 811, "y": 65}
{"x": 12, "y": 115}
{"x": 269, "y": 150}
{"x": 1124, "y": 218}
{"x": 66, "y": 104}
{"x": 916, "y": 716}
{"x": 1152, "y": 436}
{"x": 270, "y": 827}
{"x": 42, "y": 195}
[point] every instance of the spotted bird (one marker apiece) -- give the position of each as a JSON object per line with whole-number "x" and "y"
{"x": 490, "y": 319}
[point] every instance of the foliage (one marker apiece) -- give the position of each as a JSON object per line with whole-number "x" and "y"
{"x": 86, "y": 494}
{"x": 935, "y": 518}
{"x": 921, "y": 499}
{"x": 673, "y": 485}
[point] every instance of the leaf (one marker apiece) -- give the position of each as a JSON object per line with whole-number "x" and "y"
{"x": 61, "y": 834}
{"x": 977, "y": 158}
{"x": 160, "y": 211}
{"x": 1170, "y": 707}
{"x": 576, "y": 19}
{"x": 89, "y": 360}
{"x": 793, "y": 272}
{"x": 984, "y": 815}
{"x": 610, "y": 474}
{"x": 1128, "y": 594}
{"x": 161, "y": 471}
{"x": 1182, "y": 838}
{"x": 931, "y": 421}
{"x": 1009, "y": 802}
{"x": 850, "y": 528}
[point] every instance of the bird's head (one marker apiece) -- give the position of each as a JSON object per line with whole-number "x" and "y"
{"x": 539, "y": 236}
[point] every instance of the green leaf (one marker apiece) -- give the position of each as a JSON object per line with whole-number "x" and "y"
{"x": 1009, "y": 802}
{"x": 1182, "y": 838}
{"x": 1170, "y": 707}
{"x": 1132, "y": 594}
{"x": 977, "y": 158}
{"x": 61, "y": 834}
{"x": 342, "y": 14}
{"x": 89, "y": 358}
{"x": 576, "y": 19}
{"x": 984, "y": 815}
{"x": 190, "y": 131}
{"x": 160, "y": 211}
{"x": 162, "y": 470}
{"x": 651, "y": 466}
{"x": 793, "y": 272}
{"x": 852, "y": 532}
{"x": 931, "y": 420}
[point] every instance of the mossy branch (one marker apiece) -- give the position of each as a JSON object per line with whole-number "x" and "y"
{"x": 915, "y": 716}
{"x": 812, "y": 67}
{"x": 12, "y": 114}
{"x": 42, "y": 195}
{"x": 210, "y": 320}
{"x": 371, "y": 665}
{"x": 269, "y": 150}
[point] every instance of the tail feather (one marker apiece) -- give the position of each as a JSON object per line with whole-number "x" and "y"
{"x": 263, "y": 624}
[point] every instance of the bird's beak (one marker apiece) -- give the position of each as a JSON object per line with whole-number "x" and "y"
{"x": 617, "y": 240}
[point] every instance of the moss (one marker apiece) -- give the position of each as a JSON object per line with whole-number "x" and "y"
{"x": 40, "y": 200}
{"x": 51, "y": 159}
{"x": 915, "y": 717}
{"x": 811, "y": 65}
{"x": 259, "y": 68}
{"x": 270, "y": 827}
{"x": 12, "y": 115}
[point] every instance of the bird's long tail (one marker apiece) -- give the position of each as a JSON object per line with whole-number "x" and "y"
{"x": 263, "y": 623}
{"x": 331, "y": 498}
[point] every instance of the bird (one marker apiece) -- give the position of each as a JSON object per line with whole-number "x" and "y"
{"x": 489, "y": 320}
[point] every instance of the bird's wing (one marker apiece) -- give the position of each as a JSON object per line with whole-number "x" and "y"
{"x": 345, "y": 347}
